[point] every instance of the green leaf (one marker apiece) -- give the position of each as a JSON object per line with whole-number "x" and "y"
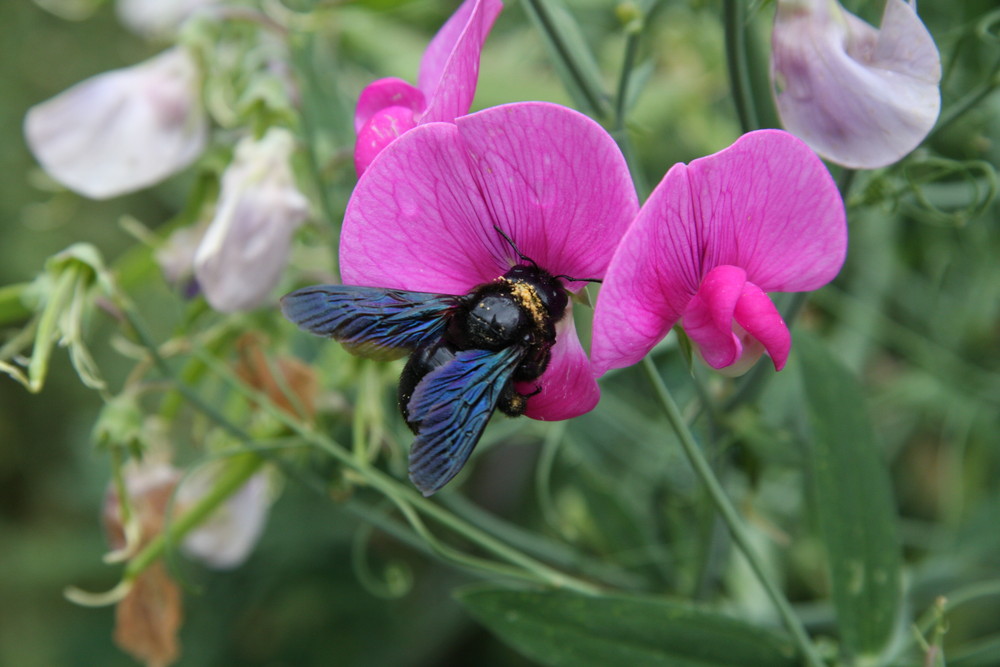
{"x": 562, "y": 628}
{"x": 852, "y": 499}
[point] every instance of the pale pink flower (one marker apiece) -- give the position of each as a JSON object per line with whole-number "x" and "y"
{"x": 123, "y": 130}
{"x": 227, "y": 537}
{"x": 245, "y": 249}
{"x": 860, "y": 97}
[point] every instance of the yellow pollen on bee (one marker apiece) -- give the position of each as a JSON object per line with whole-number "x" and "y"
{"x": 528, "y": 298}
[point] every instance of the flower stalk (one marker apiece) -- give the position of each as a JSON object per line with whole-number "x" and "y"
{"x": 729, "y": 514}
{"x": 410, "y": 502}
{"x": 734, "y": 18}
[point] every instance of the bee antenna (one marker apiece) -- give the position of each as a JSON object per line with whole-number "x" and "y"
{"x": 514, "y": 246}
{"x": 579, "y": 280}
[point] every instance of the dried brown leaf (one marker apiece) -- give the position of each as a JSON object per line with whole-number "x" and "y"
{"x": 148, "y": 619}
{"x": 298, "y": 378}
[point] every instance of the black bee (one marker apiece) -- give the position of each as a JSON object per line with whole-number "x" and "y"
{"x": 468, "y": 351}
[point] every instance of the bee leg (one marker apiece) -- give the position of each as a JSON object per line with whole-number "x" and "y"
{"x": 513, "y": 403}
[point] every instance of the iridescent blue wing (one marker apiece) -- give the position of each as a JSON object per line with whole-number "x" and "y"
{"x": 451, "y": 407}
{"x": 370, "y": 321}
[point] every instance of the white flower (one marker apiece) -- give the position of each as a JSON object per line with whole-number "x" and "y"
{"x": 176, "y": 255}
{"x": 222, "y": 541}
{"x": 858, "y": 96}
{"x": 227, "y": 537}
{"x": 123, "y": 130}
{"x": 157, "y": 18}
{"x": 245, "y": 249}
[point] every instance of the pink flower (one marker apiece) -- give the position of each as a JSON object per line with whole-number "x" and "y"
{"x": 447, "y": 83}
{"x": 760, "y": 216}
{"x": 422, "y": 218}
{"x": 860, "y": 97}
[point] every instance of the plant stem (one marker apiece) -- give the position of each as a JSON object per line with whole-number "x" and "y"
{"x": 595, "y": 99}
{"x": 729, "y": 514}
{"x": 734, "y": 18}
{"x": 628, "y": 63}
{"x": 406, "y": 497}
{"x": 968, "y": 102}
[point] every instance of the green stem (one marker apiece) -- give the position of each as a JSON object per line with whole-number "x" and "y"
{"x": 729, "y": 514}
{"x": 406, "y": 497}
{"x": 41, "y": 353}
{"x": 968, "y": 102}
{"x": 596, "y": 99}
{"x": 736, "y": 60}
{"x": 236, "y": 474}
{"x": 161, "y": 364}
{"x": 628, "y": 63}
{"x": 303, "y": 53}
{"x": 620, "y": 132}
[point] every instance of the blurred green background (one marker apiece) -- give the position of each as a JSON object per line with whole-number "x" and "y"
{"x": 916, "y": 313}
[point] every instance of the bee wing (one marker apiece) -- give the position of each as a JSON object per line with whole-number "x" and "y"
{"x": 451, "y": 407}
{"x": 370, "y": 321}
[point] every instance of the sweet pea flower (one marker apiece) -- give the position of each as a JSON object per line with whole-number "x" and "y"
{"x": 446, "y": 85}
{"x": 245, "y": 249}
{"x": 223, "y": 541}
{"x": 760, "y": 216}
{"x": 860, "y": 97}
{"x": 123, "y": 130}
{"x": 423, "y": 218}
{"x": 226, "y": 539}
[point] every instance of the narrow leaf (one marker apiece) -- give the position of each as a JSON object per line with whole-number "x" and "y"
{"x": 852, "y": 499}
{"x": 563, "y": 628}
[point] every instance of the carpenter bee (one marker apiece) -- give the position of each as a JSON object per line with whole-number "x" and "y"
{"x": 467, "y": 352}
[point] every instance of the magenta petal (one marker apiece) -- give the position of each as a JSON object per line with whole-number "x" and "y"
{"x": 449, "y": 69}
{"x": 708, "y": 319}
{"x": 568, "y": 388}
{"x": 652, "y": 277}
{"x": 758, "y": 316}
{"x": 416, "y": 220}
{"x": 768, "y": 205}
{"x": 385, "y": 93}
{"x": 555, "y": 181}
{"x": 381, "y": 130}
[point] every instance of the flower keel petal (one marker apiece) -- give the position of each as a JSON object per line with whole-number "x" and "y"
{"x": 708, "y": 319}
{"x": 758, "y": 316}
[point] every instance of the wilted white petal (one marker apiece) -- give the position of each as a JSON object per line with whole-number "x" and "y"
{"x": 157, "y": 18}
{"x": 122, "y": 130}
{"x": 246, "y": 247}
{"x": 228, "y": 536}
{"x": 861, "y": 97}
